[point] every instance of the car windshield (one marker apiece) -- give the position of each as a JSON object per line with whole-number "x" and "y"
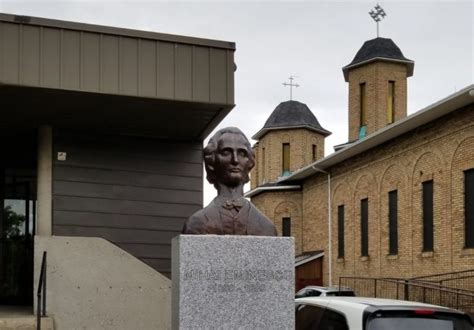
{"x": 416, "y": 323}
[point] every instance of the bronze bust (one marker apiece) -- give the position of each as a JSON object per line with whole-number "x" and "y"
{"x": 228, "y": 159}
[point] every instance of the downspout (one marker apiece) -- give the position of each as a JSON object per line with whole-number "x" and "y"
{"x": 329, "y": 223}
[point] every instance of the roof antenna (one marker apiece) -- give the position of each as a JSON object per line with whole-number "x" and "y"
{"x": 291, "y": 78}
{"x": 377, "y": 15}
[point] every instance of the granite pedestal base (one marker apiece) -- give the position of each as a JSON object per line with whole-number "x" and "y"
{"x": 232, "y": 282}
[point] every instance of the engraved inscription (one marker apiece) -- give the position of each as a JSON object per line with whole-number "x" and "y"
{"x": 237, "y": 280}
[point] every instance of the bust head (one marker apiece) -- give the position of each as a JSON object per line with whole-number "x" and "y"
{"x": 228, "y": 157}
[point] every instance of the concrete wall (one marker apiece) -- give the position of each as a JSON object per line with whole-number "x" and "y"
{"x": 93, "y": 284}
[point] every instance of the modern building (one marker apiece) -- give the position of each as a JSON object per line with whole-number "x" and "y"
{"x": 397, "y": 200}
{"x": 101, "y": 135}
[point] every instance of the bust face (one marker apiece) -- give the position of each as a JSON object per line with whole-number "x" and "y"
{"x": 232, "y": 160}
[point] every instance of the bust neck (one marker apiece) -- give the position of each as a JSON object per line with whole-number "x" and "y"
{"x": 224, "y": 191}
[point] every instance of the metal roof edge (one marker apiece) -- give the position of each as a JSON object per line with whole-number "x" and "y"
{"x": 259, "y": 190}
{"x": 316, "y": 256}
{"x": 265, "y": 130}
{"x": 434, "y": 111}
{"x": 410, "y": 64}
{"x": 49, "y": 22}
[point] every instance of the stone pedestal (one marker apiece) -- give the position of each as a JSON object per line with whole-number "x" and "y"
{"x": 232, "y": 282}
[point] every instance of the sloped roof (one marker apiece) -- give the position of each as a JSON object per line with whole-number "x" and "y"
{"x": 443, "y": 107}
{"x": 307, "y": 257}
{"x": 291, "y": 114}
{"x": 379, "y": 49}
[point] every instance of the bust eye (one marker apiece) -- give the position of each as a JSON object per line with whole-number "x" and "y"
{"x": 243, "y": 153}
{"x": 225, "y": 152}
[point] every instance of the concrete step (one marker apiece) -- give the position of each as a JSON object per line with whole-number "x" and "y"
{"x": 25, "y": 323}
{"x": 21, "y": 317}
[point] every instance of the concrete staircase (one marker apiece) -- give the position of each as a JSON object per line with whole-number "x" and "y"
{"x": 18, "y": 317}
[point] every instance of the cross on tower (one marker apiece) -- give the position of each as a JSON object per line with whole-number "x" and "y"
{"x": 377, "y": 14}
{"x": 291, "y": 78}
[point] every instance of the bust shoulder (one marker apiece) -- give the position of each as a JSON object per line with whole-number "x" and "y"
{"x": 197, "y": 223}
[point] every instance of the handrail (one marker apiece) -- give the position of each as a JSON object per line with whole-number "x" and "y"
{"x": 414, "y": 290}
{"x": 41, "y": 294}
{"x": 427, "y": 284}
{"x": 442, "y": 274}
{"x": 414, "y": 284}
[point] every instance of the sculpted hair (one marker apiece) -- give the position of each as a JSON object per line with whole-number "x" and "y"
{"x": 209, "y": 152}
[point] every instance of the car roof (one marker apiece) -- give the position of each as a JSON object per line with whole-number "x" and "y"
{"x": 326, "y": 289}
{"x": 362, "y": 302}
{"x": 353, "y": 308}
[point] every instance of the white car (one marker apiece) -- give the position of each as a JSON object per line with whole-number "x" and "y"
{"x": 316, "y": 291}
{"x": 358, "y": 313}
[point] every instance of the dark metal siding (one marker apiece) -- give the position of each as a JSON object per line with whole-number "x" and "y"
{"x": 132, "y": 191}
{"x": 55, "y": 54}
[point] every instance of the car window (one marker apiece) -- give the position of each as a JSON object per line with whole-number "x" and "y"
{"x": 308, "y": 317}
{"x": 313, "y": 293}
{"x": 302, "y": 293}
{"x": 332, "y": 320}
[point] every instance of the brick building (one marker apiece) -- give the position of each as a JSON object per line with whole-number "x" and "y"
{"x": 397, "y": 200}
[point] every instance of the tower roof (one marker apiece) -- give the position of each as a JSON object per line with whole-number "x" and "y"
{"x": 382, "y": 49}
{"x": 291, "y": 114}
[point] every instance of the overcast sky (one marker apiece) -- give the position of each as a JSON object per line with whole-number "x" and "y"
{"x": 311, "y": 40}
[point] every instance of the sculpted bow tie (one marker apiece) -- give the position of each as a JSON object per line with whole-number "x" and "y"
{"x": 230, "y": 204}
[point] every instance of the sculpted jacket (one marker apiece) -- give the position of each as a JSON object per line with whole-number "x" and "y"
{"x": 229, "y": 217}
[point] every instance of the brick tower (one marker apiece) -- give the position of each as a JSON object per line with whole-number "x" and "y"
{"x": 290, "y": 139}
{"x": 377, "y": 78}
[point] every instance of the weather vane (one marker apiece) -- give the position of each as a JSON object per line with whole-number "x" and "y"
{"x": 291, "y": 78}
{"x": 377, "y": 14}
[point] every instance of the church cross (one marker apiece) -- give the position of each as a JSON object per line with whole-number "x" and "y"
{"x": 377, "y": 14}
{"x": 291, "y": 78}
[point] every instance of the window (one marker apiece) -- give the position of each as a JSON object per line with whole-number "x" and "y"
{"x": 427, "y": 215}
{"x": 364, "y": 227}
{"x": 308, "y": 317}
{"x": 391, "y": 102}
{"x": 469, "y": 207}
{"x": 263, "y": 165}
{"x": 332, "y": 320}
{"x": 286, "y": 227}
{"x": 363, "y": 105}
{"x": 286, "y": 159}
{"x": 393, "y": 222}
{"x": 314, "y": 150}
{"x": 340, "y": 231}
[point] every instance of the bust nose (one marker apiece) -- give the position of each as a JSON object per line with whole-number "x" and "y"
{"x": 234, "y": 158}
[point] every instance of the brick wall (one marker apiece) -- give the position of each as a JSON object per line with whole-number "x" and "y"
{"x": 439, "y": 151}
{"x": 279, "y": 205}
